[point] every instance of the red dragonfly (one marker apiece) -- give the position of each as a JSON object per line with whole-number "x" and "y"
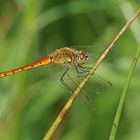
{"x": 69, "y": 57}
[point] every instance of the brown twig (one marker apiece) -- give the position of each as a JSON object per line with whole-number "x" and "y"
{"x": 77, "y": 91}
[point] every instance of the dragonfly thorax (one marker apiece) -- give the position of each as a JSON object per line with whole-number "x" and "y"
{"x": 70, "y": 56}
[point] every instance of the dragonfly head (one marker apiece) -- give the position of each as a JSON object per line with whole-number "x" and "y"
{"x": 82, "y": 57}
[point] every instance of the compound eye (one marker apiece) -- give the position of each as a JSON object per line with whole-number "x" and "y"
{"x": 86, "y": 56}
{"x": 83, "y": 55}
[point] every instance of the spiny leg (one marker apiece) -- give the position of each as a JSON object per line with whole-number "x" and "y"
{"x": 84, "y": 68}
{"x": 63, "y": 81}
{"x": 81, "y": 71}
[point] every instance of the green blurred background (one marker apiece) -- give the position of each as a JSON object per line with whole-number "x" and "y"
{"x": 30, "y": 100}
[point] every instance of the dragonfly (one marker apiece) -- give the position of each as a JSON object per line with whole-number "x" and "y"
{"x": 70, "y": 57}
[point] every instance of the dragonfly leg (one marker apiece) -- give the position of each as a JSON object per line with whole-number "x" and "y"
{"x": 84, "y": 68}
{"x": 63, "y": 81}
{"x": 81, "y": 71}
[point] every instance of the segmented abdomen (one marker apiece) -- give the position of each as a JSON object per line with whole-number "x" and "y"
{"x": 45, "y": 61}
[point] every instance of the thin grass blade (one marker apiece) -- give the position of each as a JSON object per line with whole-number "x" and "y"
{"x": 123, "y": 96}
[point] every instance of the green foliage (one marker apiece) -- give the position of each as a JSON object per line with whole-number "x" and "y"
{"x": 123, "y": 96}
{"x": 30, "y": 100}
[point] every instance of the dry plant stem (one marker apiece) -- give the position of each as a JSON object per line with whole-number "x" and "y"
{"x": 77, "y": 91}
